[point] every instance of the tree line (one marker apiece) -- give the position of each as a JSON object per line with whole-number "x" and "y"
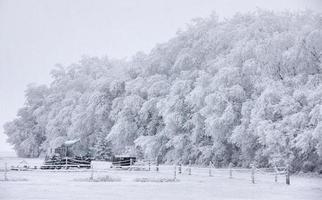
{"x": 242, "y": 90}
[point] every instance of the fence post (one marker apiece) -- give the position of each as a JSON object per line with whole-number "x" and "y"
{"x": 180, "y": 168}
{"x": 5, "y": 172}
{"x": 210, "y": 165}
{"x": 253, "y": 173}
{"x": 287, "y": 174}
{"x": 92, "y": 173}
{"x": 66, "y": 162}
{"x": 149, "y": 165}
{"x": 189, "y": 169}
{"x": 175, "y": 172}
{"x": 230, "y": 166}
{"x": 276, "y": 173}
{"x": 157, "y": 166}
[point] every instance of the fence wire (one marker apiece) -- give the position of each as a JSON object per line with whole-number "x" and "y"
{"x": 247, "y": 174}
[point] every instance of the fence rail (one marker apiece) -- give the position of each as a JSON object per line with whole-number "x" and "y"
{"x": 176, "y": 170}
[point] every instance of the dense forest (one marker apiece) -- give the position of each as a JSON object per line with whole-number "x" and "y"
{"x": 241, "y": 90}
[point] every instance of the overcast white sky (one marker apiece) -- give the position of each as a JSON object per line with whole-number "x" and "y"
{"x": 37, "y": 34}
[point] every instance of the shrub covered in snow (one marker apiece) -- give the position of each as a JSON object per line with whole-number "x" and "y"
{"x": 99, "y": 179}
{"x": 156, "y": 180}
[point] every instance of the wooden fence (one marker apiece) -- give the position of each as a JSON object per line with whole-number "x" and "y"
{"x": 177, "y": 170}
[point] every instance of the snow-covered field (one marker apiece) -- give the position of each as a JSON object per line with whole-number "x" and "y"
{"x": 61, "y": 185}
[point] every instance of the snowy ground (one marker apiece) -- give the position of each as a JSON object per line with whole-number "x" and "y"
{"x": 66, "y": 185}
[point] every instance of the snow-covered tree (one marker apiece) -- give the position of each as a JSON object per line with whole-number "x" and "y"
{"x": 238, "y": 90}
